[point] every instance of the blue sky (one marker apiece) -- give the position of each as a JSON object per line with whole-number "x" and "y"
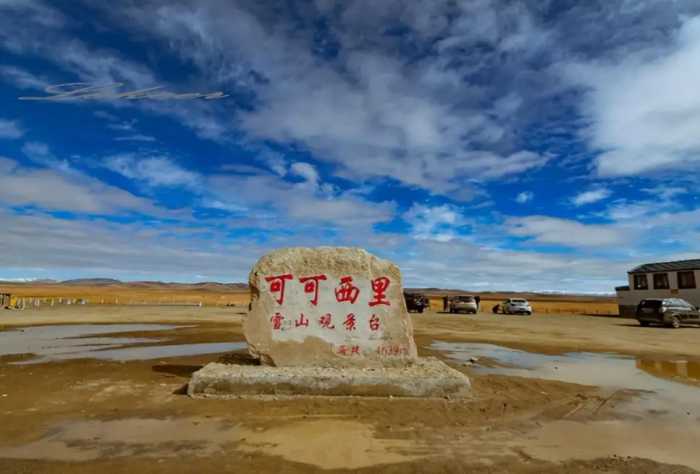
{"x": 480, "y": 144}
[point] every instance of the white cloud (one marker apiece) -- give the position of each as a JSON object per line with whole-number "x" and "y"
{"x": 370, "y": 113}
{"x": 274, "y": 161}
{"x": 46, "y": 246}
{"x": 51, "y": 189}
{"x": 269, "y": 199}
{"x": 524, "y": 197}
{"x": 19, "y": 22}
{"x": 447, "y": 119}
{"x": 591, "y": 196}
{"x": 306, "y": 171}
{"x": 10, "y": 129}
{"x": 645, "y": 109}
{"x": 479, "y": 268}
{"x": 666, "y": 192}
{"x": 437, "y": 223}
{"x": 22, "y": 78}
{"x": 570, "y": 233}
{"x": 296, "y": 204}
{"x": 40, "y": 153}
{"x": 127, "y": 126}
{"x": 154, "y": 170}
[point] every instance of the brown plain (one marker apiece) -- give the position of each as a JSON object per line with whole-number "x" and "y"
{"x": 221, "y": 294}
{"x": 209, "y": 294}
{"x": 86, "y": 416}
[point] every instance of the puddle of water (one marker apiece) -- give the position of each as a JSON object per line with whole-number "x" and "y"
{"x": 665, "y": 419}
{"x": 681, "y": 370}
{"x": 612, "y": 371}
{"x": 82, "y": 341}
{"x": 59, "y": 338}
{"x": 328, "y": 444}
{"x": 141, "y": 353}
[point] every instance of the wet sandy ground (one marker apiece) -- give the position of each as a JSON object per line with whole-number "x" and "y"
{"x": 637, "y": 412}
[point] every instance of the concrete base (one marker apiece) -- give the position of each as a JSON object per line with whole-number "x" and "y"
{"x": 427, "y": 377}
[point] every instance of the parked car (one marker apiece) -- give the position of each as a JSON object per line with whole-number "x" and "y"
{"x": 464, "y": 304}
{"x": 670, "y": 312}
{"x": 416, "y": 302}
{"x": 513, "y": 306}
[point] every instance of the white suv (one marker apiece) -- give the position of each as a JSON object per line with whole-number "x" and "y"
{"x": 516, "y": 306}
{"x": 467, "y": 304}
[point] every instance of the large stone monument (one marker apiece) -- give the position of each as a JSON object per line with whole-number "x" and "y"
{"x": 328, "y": 321}
{"x": 328, "y": 307}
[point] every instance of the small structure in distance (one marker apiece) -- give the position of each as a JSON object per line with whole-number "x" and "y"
{"x": 677, "y": 279}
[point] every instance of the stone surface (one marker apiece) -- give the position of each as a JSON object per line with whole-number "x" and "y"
{"x": 426, "y": 377}
{"x": 328, "y": 307}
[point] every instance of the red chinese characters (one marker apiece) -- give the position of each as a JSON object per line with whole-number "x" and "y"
{"x": 374, "y": 323}
{"x": 346, "y": 291}
{"x": 350, "y": 322}
{"x": 302, "y": 321}
{"x": 276, "y": 321}
{"x": 277, "y": 284}
{"x": 379, "y": 287}
{"x": 345, "y": 350}
{"x": 311, "y": 284}
{"x": 325, "y": 321}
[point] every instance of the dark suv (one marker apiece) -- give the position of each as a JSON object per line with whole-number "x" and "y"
{"x": 671, "y": 312}
{"x": 416, "y": 302}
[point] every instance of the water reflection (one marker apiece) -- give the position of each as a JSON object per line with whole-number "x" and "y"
{"x": 95, "y": 341}
{"x": 673, "y": 369}
{"x": 660, "y": 380}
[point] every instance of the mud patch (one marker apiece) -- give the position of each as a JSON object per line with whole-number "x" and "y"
{"x": 90, "y": 440}
{"x": 332, "y": 444}
{"x": 328, "y": 444}
{"x": 662, "y": 442}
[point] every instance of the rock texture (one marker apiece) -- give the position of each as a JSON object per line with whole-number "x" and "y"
{"x": 426, "y": 377}
{"x": 328, "y": 307}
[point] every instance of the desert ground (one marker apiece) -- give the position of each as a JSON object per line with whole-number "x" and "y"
{"x": 99, "y": 388}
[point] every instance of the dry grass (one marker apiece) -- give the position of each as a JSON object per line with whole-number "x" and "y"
{"x": 558, "y": 306}
{"x": 223, "y": 295}
{"x": 133, "y": 294}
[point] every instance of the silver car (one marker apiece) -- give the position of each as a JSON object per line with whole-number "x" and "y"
{"x": 464, "y": 304}
{"x": 516, "y": 306}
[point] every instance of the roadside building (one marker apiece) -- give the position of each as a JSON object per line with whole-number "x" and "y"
{"x": 677, "y": 279}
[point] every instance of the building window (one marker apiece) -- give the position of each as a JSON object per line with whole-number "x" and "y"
{"x": 640, "y": 282}
{"x": 686, "y": 280}
{"x": 661, "y": 281}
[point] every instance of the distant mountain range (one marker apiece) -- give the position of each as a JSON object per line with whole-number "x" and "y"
{"x": 239, "y": 287}
{"x": 132, "y": 284}
{"x": 91, "y": 281}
